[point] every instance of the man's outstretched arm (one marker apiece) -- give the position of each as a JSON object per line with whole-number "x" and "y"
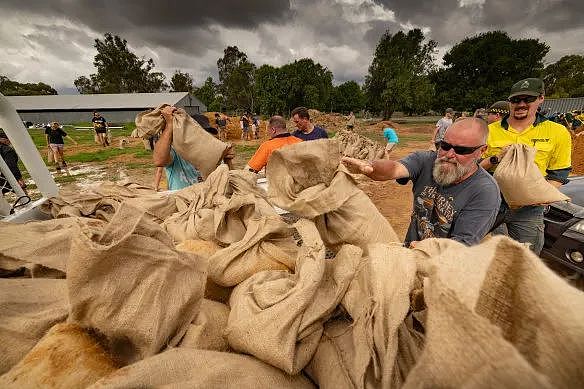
{"x": 379, "y": 170}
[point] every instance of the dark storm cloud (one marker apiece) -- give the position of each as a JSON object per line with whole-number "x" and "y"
{"x": 545, "y": 15}
{"x": 449, "y": 22}
{"x": 181, "y": 25}
{"x": 95, "y": 13}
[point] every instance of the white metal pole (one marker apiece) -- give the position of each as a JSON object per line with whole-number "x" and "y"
{"x": 26, "y": 149}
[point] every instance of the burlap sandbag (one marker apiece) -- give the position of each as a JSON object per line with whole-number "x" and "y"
{"x": 131, "y": 284}
{"x": 102, "y": 199}
{"x": 503, "y": 318}
{"x": 41, "y": 244}
{"x": 267, "y": 242}
{"x": 66, "y": 357}
{"x": 206, "y": 249}
{"x": 188, "y": 368}
{"x": 379, "y": 347}
{"x": 278, "y": 316}
{"x": 206, "y": 332}
{"x": 28, "y": 308}
{"x": 196, "y": 221}
{"x": 189, "y": 139}
{"x": 308, "y": 180}
{"x": 520, "y": 180}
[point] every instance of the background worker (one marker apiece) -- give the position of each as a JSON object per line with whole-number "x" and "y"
{"x": 391, "y": 137}
{"x": 497, "y": 111}
{"x": 453, "y": 196}
{"x": 100, "y": 128}
{"x": 441, "y": 126}
{"x": 351, "y": 121}
{"x": 553, "y": 145}
{"x": 9, "y": 156}
{"x": 54, "y": 135}
{"x": 279, "y": 137}
{"x": 305, "y": 129}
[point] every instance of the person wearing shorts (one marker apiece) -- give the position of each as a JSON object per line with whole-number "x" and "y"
{"x": 100, "y": 127}
{"x": 391, "y": 137}
{"x": 54, "y": 135}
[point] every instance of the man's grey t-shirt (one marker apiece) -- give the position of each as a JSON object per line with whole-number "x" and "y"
{"x": 442, "y": 125}
{"x": 464, "y": 212}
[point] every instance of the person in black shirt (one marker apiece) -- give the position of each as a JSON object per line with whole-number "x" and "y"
{"x": 306, "y": 130}
{"x": 11, "y": 158}
{"x": 54, "y": 137}
{"x": 100, "y": 127}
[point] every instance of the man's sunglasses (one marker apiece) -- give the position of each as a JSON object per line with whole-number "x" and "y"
{"x": 518, "y": 99}
{"x": 460, "y": 150}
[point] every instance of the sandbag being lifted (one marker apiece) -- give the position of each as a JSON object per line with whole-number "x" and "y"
{"x": 308, "y": 180}
{"x": 520, "y": 180}
{"x": 189, "y": 139}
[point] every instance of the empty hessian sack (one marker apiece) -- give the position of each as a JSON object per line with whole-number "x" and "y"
{"x": 308, "y": 180}
{"x": 189, "y": 139}
{"x": 520, "y": 180}
{"x": 497, "y": 316}
{"x": 188, "y": 368}
{"x": 278, "y": 316}
{"x": 131, "y": 284}
{"x": 67, "y": 357}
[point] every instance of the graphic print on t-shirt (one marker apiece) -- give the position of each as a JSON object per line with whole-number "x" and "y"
{"x": 433, "y": 213}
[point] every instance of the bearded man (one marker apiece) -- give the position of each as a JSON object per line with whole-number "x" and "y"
{"x": 453, "y": 196}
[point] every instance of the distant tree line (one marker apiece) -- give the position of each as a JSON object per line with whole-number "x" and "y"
{"x": 403, "y": 76}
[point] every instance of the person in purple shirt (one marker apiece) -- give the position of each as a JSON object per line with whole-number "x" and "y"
{"x": 306, "y": 130}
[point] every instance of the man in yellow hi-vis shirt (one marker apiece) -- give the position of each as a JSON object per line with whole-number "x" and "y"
{"x": 553, "y": 143}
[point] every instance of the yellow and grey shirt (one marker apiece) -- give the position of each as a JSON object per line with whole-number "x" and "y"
{"x": 551, "y": 140}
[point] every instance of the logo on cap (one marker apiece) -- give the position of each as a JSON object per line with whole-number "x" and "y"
{"x": 524, "y": 85}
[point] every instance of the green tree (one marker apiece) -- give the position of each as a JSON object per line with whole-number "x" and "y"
{"x": 565, "y": 78}
{"x": 347, "y": 97}
{"x": 398, "y": 75}
{"x": 270, "y": 91}
{"x": 119, "y": 70}
{"x": 236, "y": 75}
{"x": 481, "y": 69}
{"x": 15, "y": 88}
{"x": 307, "y": 84}
{"x": 181, "y": 82}
{"x": 209, "y": 95}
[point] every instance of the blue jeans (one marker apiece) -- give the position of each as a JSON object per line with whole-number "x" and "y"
{"x": 524, "y": 225}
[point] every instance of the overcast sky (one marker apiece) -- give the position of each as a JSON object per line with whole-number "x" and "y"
{"x": 52, "y": 40}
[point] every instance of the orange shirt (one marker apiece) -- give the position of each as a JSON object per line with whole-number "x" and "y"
{"x": 260, "y": 158}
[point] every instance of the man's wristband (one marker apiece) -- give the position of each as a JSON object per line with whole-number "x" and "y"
{"x": 494, "y": 160}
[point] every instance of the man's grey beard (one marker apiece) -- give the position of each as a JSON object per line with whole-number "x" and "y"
{"x": 447, "y": 171}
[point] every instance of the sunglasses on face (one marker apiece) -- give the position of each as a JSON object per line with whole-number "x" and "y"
{"x": 518, "y": 99}
{"x": 460, "y": 150}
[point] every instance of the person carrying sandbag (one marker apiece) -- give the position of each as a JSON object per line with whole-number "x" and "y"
{"x": 523, "y": 220}
{"x": 453, "y": 196}
{"x": 176, "y": 155}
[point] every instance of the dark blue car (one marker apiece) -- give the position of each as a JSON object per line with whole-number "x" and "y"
{"x": 564, "y": 228}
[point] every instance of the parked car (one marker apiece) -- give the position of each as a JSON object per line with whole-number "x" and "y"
{"x": 564, "y": 228}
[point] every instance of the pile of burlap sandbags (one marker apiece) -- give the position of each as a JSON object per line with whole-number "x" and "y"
{"x": 218, "y": 295}
{"x": 358, "y": 146}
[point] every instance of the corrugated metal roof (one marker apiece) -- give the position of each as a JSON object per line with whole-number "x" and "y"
{"x": 98, "y": 101}
{"x": 563, "y": 105}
